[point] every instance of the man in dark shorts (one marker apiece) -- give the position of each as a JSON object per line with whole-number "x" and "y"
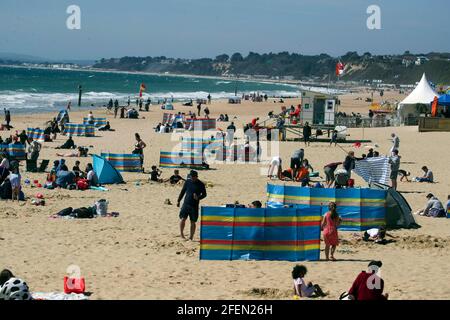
{"x": 307, "y": 134}
{"x": 296, "y": 161}
{"x": 329, "y": 170}
{"x": 193, "y": 191}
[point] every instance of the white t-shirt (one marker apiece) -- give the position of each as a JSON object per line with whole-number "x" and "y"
{"x": 15, "y": 180}
{"x": 162, "y": 129}
{"x": 373, "y": 232}
{"x": 305, "y": 290}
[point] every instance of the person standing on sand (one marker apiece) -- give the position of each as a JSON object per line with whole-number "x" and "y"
{"x": 199, "y": 108}
{"x": 307, "y": 134}
{"x": 139, "y": 147}
{"x": 69, "y": 106}
{"x": 394, "y": 161}
{"x": 395, "y": 142}
{"x": 7, "y": 119}
{"x": 193, "y": 191}
{"x": 329, "y": 225}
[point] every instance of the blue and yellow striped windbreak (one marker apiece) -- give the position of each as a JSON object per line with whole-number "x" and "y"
{"x": 16, "y": 151}
{"x": 124, "y": 162}
{"x": 80, "y": 130}
{"x": 98, "y": 122}
{"x": 36, "y": 134}
{"x": 181, "y": 159}
{"x": 360, "y": 209}
{"x": 260, "y": 234}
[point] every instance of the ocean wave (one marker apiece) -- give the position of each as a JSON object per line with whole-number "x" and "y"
{"x": 21, "y": 101}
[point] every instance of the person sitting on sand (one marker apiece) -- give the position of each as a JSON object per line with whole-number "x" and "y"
{"x": 69, "y": 144}
{"x": 76, "y": 169}
{"x": 64, "y": 178}
{"x": 155, "y": 174}
{"x": 91, "y": 176}
{"x": 427, "y": 177}
{"x": 368, "y": 285}
{"x": 106, "y": 127}
{"x": 303, "y": 288}
{"x": 175, "y": 178}
{"x": 329, "y": 226}
{"x": 433, "y": 208}
{"x": 90, "y": 118}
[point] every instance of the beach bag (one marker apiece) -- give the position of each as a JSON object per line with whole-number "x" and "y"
{"x": 83, "y": 184}
{"x": 74, "y": 285}
{"x": 101, "y": 207}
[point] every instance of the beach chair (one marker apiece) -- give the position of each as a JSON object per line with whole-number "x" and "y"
{"x": 31, "y": 166}
{"x": 43, "y": 166}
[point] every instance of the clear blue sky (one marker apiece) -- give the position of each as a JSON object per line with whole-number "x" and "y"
{"x": 206, "y": 28}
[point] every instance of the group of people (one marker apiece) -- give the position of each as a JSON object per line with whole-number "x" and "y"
{"x": 61, "y": 177}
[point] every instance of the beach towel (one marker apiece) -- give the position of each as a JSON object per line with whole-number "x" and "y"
{"x": 374, "y": 170}
{"x": 58, "y": 296}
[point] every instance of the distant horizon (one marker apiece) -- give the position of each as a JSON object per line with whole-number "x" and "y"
{"x": 57, "y": 59}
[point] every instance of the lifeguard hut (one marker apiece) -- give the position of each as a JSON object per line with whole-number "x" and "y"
{"x": 318, "y": 108}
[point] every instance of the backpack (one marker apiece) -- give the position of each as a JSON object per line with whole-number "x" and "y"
{"x": 83, "y": 184}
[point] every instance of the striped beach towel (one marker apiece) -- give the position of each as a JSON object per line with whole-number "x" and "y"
{"x": 374, "y": 170}
{"x": 285, "y": 234}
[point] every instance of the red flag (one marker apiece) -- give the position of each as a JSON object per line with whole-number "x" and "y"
{"x": 340, "y": 69}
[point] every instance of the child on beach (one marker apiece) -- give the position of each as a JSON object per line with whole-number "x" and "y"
{"x": 334, "y": 137}
{"x": 14, "y": 178}
{"x": 303, "y": 288}
{"x": 155, "y": 174}
{"x": 175, "y": 178}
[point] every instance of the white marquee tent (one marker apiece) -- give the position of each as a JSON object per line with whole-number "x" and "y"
{"x": 422, "y": 94}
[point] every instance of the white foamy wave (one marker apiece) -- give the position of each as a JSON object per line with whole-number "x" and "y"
{"x": 23, "y": 101}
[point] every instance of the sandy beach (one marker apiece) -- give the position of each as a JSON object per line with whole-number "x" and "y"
{"x": 139, "y": 255}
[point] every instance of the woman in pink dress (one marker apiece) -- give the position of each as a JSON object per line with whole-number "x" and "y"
{"x": 330, "y": 223}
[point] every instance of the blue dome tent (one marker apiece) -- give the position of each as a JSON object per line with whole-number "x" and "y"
{"x": 106, "y": 173}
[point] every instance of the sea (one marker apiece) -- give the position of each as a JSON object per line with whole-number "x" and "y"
{"x": 31, "y": 90}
